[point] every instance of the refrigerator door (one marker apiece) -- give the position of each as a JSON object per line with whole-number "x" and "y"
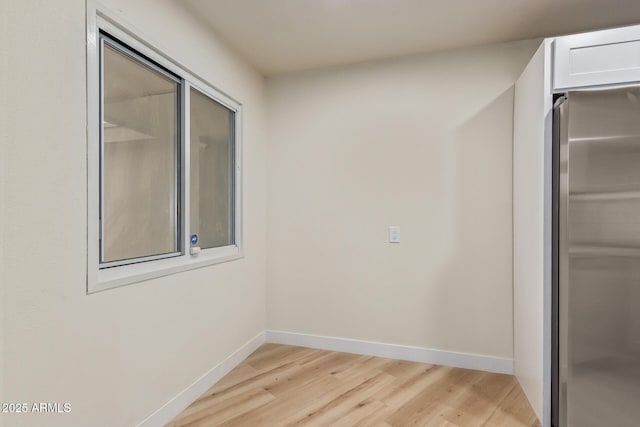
{"x": 599, "y": 259}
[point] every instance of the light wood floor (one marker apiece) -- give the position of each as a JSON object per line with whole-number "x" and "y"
{"x": 294, "y": 386}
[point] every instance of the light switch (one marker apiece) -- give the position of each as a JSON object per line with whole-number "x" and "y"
{"x": 394, "y": 234}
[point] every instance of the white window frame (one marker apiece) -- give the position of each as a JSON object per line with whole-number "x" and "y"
{"x": 99, "y": 279}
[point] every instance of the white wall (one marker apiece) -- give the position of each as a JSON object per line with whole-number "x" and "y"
{"x": 4, "y": 84}
{"x": 423, "y": 143}
{"x": 531, "y": 225}
{"x": 117, "y": 355}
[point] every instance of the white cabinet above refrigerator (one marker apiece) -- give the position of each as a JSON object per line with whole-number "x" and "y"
{"x": 598, "y": 58}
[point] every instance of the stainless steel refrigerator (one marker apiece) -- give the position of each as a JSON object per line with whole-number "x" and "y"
{"x": 596, "y": 358}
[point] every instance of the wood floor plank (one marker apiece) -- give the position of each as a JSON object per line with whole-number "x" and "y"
{"x": 280, "y": 386}
{"x": 513, "y": 410}
{"x": 438, "y": 393}
{"x": 307, "y": 398}
{"x": 474, "y": 402}
{"x": 265, "y": 380}
{"x": 276, "y": 356}
{"x": 327, "y": 365}
{"x": 376, "y": 418}
{"x": 359, "y": 414}
{"x": 240, "y": 373}
{"x": 404, "y": 370}
{"x": 350, "y": 404}
{"x": 217, "y": 414}
{"x": 407, "y": 390}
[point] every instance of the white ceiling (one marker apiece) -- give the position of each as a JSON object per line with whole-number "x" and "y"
{"x": 278, "y": 36}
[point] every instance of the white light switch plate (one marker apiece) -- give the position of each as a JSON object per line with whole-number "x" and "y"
{"x": 394, "y": 234}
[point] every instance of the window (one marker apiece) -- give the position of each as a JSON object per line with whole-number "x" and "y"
{"x": 164, "y": 164}
{"x": 139, "y": 189}
{"x": 212, "y": 168}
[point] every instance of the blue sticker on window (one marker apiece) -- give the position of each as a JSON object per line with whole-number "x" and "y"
{"x": 194, "y": 239}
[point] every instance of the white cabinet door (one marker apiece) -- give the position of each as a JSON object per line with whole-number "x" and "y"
{"x": 597, "y": 58}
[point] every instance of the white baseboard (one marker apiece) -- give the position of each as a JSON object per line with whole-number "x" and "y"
{"x": 501, "y": 365}
{"x": 187, "y": 396}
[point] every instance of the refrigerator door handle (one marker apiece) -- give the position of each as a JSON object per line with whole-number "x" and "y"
{"x": 559, "y": 271}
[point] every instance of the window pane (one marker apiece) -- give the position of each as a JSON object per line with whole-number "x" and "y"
{"x": 139, "y": 159}
{"x": 211, "y": 172}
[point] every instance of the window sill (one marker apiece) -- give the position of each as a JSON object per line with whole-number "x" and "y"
{"x": 113, "y": 277}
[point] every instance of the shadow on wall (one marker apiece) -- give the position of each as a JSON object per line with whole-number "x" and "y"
{"x": 474, "y": 286}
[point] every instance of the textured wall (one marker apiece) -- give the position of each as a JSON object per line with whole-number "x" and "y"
{"x": 119, "y": 355}
{"x": 423, "y": 143}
